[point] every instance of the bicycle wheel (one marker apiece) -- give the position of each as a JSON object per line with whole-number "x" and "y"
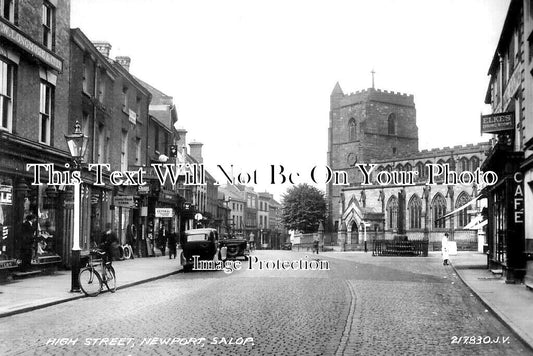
{"x": 110, "y": 279}
{"x": 120, "y": 252}
{"x": 127, "y": 252}
{"x": 90, "y": 282}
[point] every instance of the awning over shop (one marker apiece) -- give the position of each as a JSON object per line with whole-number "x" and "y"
{"x": 476, "y": 223}
{"x": 461, "y": 207}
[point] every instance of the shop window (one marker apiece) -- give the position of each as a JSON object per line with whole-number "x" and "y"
{"x": 45, "y": 113}
{"x": 439, "y": 210}
{"x": 6, "y": 95}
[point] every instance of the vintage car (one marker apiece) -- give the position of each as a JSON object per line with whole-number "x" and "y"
{"x": 199, "y": 242}
{"x": 236, "y": 247}
{"x": 286, "y": 246}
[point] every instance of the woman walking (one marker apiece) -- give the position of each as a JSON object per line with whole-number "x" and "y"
{"x": 445, "y": 251}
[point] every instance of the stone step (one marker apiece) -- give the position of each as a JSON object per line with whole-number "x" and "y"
{"x": 26, "y": 274}
{"x": 497, "y": 271}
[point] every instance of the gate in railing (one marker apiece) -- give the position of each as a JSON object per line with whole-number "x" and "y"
{"x": 400, "y": 248}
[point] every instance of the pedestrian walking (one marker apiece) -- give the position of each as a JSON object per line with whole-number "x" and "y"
{"x": 162, "y": 240}
{"x": 445, "y": 251}
{"x": 27, "y": 233}
{"x": 171, "y": 242}
{"x": 108, "y": 242}
{"x": 315, "y": 245}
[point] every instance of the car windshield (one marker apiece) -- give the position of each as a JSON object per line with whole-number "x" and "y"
{"x": 197, "y": 237}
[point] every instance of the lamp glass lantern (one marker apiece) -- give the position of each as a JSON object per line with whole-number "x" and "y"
{"x": 77, "y": 143}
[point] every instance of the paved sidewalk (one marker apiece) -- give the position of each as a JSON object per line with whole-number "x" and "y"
{"x": 512, "y": 303}
{"x": 22, "y": 295}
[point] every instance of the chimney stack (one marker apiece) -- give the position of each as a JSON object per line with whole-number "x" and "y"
{"x": 124, "y": 61}
{"x": 196, "y": 151}
{"x": 181, "y": 142}
{"x": 103, "y": 47}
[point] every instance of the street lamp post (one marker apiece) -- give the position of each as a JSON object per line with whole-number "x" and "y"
{"x": 77, "y": 144}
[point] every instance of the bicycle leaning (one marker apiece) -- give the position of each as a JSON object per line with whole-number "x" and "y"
{"x": 91, "y": 281}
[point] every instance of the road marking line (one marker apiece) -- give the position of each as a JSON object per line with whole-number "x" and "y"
{"x": 349, "y": 321}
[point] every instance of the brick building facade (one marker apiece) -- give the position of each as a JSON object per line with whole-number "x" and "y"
{"x": 34, "y": 82}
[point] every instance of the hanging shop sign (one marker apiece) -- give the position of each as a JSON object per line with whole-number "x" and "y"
{"x": 124, "y": 201}
{"x": 164, "y": 212}
{"x": 143, "y": 189}
{"x": 495, "y": 123}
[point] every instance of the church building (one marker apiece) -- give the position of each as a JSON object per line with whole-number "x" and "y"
{"x": 379, "y": 127}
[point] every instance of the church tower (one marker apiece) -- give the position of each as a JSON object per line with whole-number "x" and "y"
{"x": 364, "y": 126}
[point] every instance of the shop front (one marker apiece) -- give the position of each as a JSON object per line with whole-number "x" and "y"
{"x": 505, "y": 229}
{"x": 163, "y": 219}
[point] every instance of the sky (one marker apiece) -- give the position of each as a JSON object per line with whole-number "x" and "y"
{"x": 251, "y": 80}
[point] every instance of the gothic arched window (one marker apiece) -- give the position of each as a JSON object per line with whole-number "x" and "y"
{"x": 408, "y": 167}
{"x": 464, "y": 164}
{"x": 420, "y": 169}
{"x": 415, "y": 212}
{"x": 438, "y": 205}
{"x": 474, "y": 163}
{"x": 462, "y": 216}
{"x": 392, "y": 124}
{"x": 392, "y": 212}
{"x": 399, "y": 168}
{"x": 352, "y": 129}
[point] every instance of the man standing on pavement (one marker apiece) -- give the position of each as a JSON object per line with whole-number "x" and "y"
{"x": 171, "y": 241}
{"x": 27, "y": 233}
{"x": 109, "y": 239}
{"x": 315, "y": 245}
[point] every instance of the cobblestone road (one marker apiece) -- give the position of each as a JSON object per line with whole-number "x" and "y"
{"x": 362, "y": 306}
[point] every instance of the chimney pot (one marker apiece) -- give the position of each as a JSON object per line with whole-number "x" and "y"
{"x": 124, "y": 61}
{"x": 103, "y": 47}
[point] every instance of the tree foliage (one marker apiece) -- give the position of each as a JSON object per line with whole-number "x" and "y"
{"x": 304, "y": 206}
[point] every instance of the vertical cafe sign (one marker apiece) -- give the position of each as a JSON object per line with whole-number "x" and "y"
{"x": 518, "y": 199}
